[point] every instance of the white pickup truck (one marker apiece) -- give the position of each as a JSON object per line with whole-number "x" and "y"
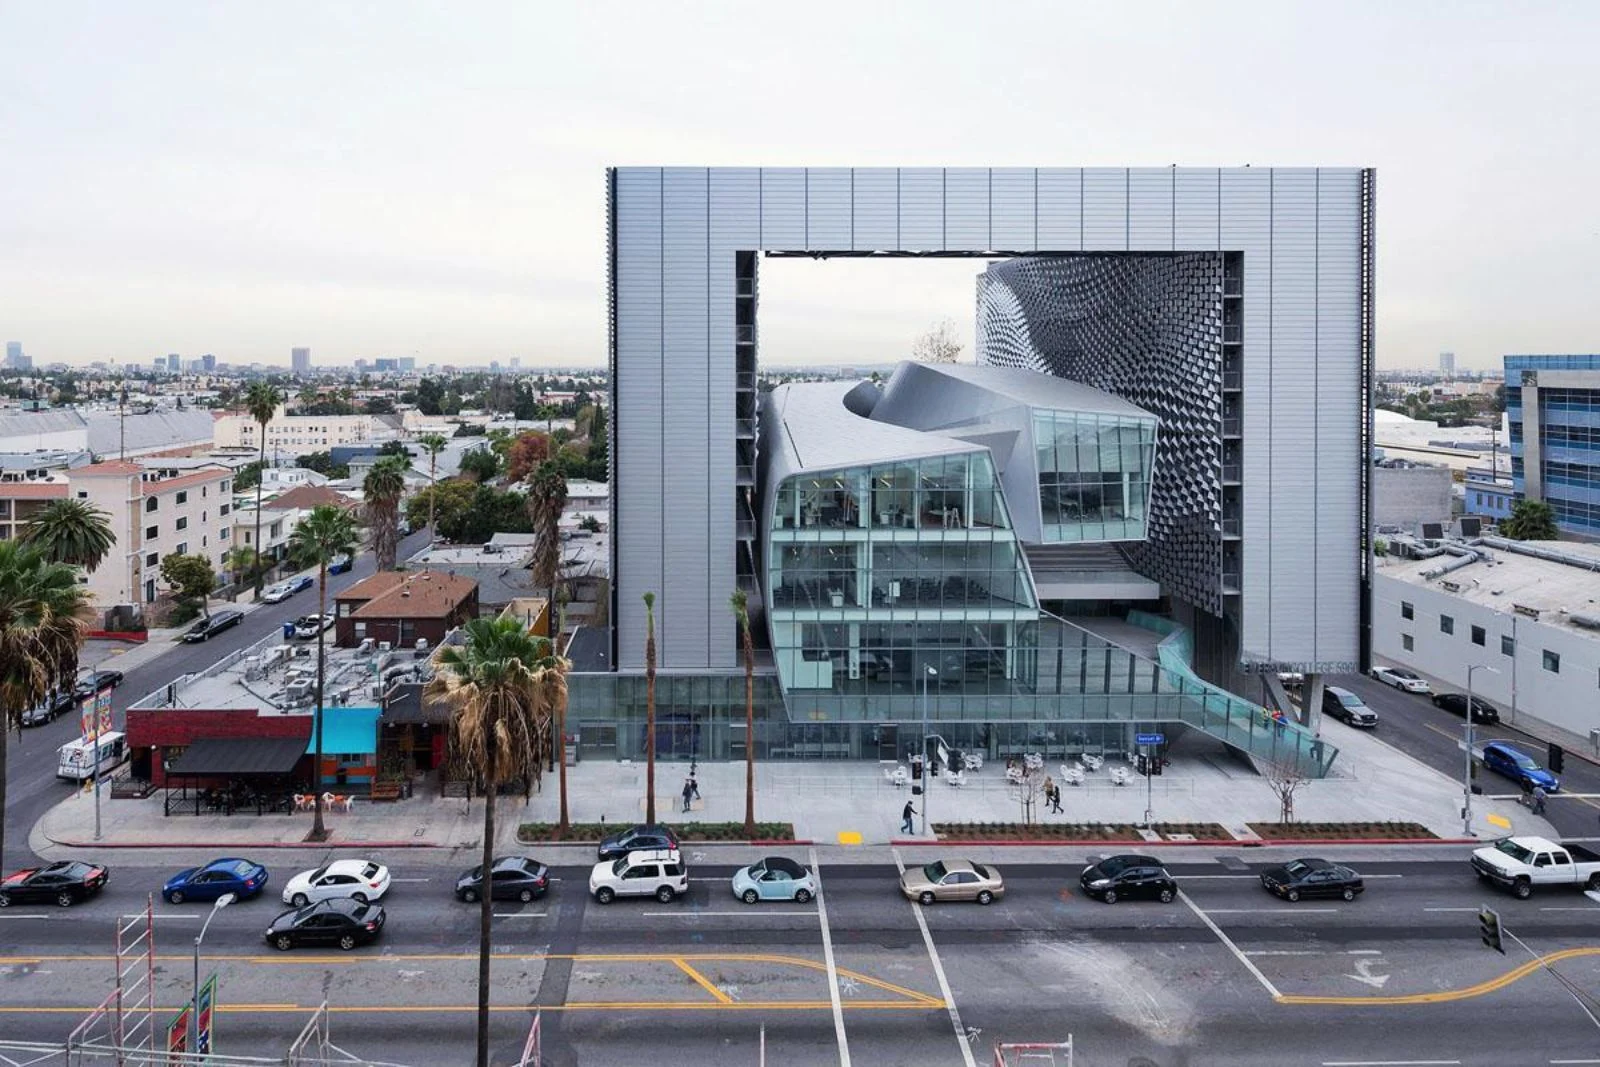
{"x": 1521, "y": 863}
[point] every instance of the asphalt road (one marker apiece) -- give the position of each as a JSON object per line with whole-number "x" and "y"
{"x": 31, "y": 764}
{"x": 1412, "y": 724}
{"x": 1225, "y": 976}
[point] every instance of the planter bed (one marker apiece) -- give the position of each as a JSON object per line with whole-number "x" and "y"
{"x": 1060, "y": 831}
{"x": 589, "y": 832}
{"x": 1342, "y": 831}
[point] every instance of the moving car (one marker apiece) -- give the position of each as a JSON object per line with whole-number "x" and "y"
{"x": 1342, "y": 704}
{"x": 277, "y": 594}
{"x": 658, "y": 873}
{"x": 208, "y": 628}
{"x": 774, "y": 878}
{"x": 242, "y": 878}
{"x": 65, "y": 882}
{"x": 1312, "y": 878}
{"x": 510, "y": 878}
{"x": 952, "y": 880}
{"x": 1456, "y": 704}
{"x": 1128, "y": 877}
{"x": 1517, "y": 765}
{"x": 339, "y": 564}
{"x": 92, "y": 682}
{"x": 1521, "y": 863}
{"x": 360, "y": 880}
{"x": 346, "y": 923}
{"x": 635, "y": 838}
{"x": 1401, "y": 678}
{"x": 48, "y": 709}
{"x": 307, "y": 627}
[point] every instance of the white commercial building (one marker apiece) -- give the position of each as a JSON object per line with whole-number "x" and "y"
{"x": 1534, "y": 619}
{"x": 299, "y": 434}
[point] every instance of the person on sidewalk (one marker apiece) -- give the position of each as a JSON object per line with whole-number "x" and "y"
{"x": 694, "y": 786}
{"x": 688, "y": 792}
{"x": 1538, "y": 799}
{"x": 905, "y": 818}
{"x": 1055, "y": 800}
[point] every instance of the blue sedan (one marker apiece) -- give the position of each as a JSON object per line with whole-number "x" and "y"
{"x": 774, "y": 878}
{"x": 240, "y": 877}
{"x": 1518, "y": 766}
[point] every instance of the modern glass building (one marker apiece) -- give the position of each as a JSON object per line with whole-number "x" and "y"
{"x": 1553, "y": 406}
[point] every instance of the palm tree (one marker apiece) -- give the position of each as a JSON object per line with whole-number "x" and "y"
{"x": 71, "y": 531}
{"x": 432, "y": 444}
{"x": 241, "y": 560}
{"x": 385, "y": 484}
{"x": 261, "y": 400}
{"x": 494, "y": 685}
{"x": 547, "y": 496}
{"x": 650, "y": 708}
{"x": 41, "y": 628}
{"x": 327, "y": 532}
{"x": 741, "y": 611}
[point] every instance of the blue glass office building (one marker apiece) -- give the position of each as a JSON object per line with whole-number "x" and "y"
{"x": 1553, "y": 406}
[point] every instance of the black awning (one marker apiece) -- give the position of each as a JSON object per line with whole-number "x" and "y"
{"x": 257, "y": 757}
{"x": 406, "y": 705}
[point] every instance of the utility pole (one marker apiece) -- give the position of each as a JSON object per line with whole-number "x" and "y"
{"x": 1466, "y": 774}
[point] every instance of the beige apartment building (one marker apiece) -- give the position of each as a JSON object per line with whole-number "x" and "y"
{"x": 154, "y": 511}
{"x": 298, "y": 434}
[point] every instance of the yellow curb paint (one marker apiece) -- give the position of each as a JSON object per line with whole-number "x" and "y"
{"x": 850, "y": 837}
{"x": 1498, "y": 820}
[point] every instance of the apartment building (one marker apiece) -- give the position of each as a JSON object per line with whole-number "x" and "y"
{"x": 154, "y": 511}
{"x": 297, "y": 434}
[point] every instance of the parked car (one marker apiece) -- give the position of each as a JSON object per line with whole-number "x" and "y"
{"x": 360, "y": 880}
{"x": 91, "y": 682}
{"x": 277, "y": 594}
{"x": 944, "y": 880}
{"x": 1522, "y": 863}
{"x": 1517, "y": 765}
{"x": 340, "y": 563}
{"x": 511, "y": 878}
{"x": 658, "y": 873}
{"x": 1128, "y": 877}
{"x": 635, "y": 838}
{"x": 1456, "y": 704}
{"x": 774, "y": 878}
{"x": 1401, "y": 678}
{"x": 48, "y": 709}
{"x": 346, "y": 923}
{"x": 1342, "y": 704}
{"x": 243, "y": 878}
{"x": 307, "y": 627}
{"x": 1312, "y": 878}
{"x": 65, "y": 882}
{"x": 209, "y": 628}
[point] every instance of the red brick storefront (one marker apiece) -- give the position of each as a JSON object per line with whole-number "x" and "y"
{"x": 160, "y": 735}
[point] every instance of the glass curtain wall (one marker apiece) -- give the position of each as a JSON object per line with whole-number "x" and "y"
{"x": 1094, "y": 475}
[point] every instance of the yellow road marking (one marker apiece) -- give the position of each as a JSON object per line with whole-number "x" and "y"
{"x": 850, "y": 837}
{"x": 1447, "y": 995}
{"x": 703, "y": 982}
{"x": 577, "y": 1005}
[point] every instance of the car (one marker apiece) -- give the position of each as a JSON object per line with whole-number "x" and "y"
{"x": 48, "y": 709}
{"x": 658, "y": 873}
{"x": 1456, "y": 704}
{"x": 307, "y": 627}
{"x": 511, "y": 878}
{"x": 1342, "y": 704}
{"x": 346, "y": 923}
{"x": 92, "y": 682}
{"x": 643, "y": 836}
{"x": 65, "y": 882}
{"x": 277, "y": 594}
{"x": 242, "y": 878}
{"x": 208, "y": 628}
{"x": 1128, "y": 877}
{"x": 1312, "y": 877}
{"x": 952, "y": 880}
{"x": 1517, "y": 765}
{"x": 1401, "y": 678}
{"x": 774, "y": 878}
{"x": 360, "y": 880}
{"x": 340, "y": 563}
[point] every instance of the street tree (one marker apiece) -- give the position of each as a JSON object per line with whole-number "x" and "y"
{"x": 74, "y": 532}
{"x": 261, "y": 400}
{"x": 192, "y": 579}
{"x": 1530, "y": 520}
{"x": 740, "y": 604}
{"x": 937, "y": 345}
{"x": 382, "y": 488}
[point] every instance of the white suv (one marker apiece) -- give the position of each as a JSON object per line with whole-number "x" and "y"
{"x": 654, "y": 872}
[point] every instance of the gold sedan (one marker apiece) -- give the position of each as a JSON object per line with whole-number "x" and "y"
{"x": 952, "y": 880}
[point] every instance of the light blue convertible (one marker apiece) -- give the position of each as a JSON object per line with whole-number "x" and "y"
{"x": 774, "y": 878}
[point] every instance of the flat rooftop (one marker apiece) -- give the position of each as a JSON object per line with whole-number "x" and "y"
{"x": 1507, "y": 580}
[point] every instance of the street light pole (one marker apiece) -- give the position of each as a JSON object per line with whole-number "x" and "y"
{"x": 1466, "y": 773}
{"x": 929, "y": 671}
{"x": 194, "y": 1002}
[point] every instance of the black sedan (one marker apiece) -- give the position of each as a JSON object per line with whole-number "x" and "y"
{"x": 66, "y": 883}
{"x": 511, "y": 878}
{"x": 94, "y": 681}
{"x": 48, "y": 709}
{"x": 339, "y": 921}
{"x": 636, "y": 839}
{"x": 1128, "y": 878}
{"x": 207, "y": 628}
{"x": 1311, "y": 878}
{"x": 1456, "y": 704}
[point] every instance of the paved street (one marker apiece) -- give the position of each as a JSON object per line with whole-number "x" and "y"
{"x": 1224, "y": 976}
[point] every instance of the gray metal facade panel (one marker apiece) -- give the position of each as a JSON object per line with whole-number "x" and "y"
{"x": 1011, "y": 208}
{"x": 1060, "y": 209}
{"x": 783, "y": 207}
{"x": 1105, "y": 208}
{"x": 828, "y": 209}
{"x": 1150, "y": 209}
{"x": 877, "y": 208}
{"x": 1195, "y": 209}
{"x": 921, "y": 209}
{"x": 966, "y": 209}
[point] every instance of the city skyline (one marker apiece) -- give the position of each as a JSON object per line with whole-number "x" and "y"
{"x": 425, "y": 189}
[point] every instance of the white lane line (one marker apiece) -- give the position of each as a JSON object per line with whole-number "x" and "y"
{"x": 1366, "y": 952}
{"x": 163, "y": 915}
{"x": 1271, "y": 989}
{"x": 1450, "y": 909}
{"x": 411, "y": 879}
{"x": 1291, "y": 910}
{"x": 1389, "y": 1063}
{"x": 1257, "y": 877}
{"x": 751, "y": 911}
{"x": 962, "y": 1040}
{"x": 24, "y": 916}
{"x": 520, "y": 914}
{"x": 1286, "y": 952}
{"x": 1575, "y": 909}
{"x": 833, "y": 971}
{"x": 1575, "y": 1061}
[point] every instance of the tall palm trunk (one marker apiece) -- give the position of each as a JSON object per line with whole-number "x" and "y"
{"x": 5, "y": 740}
{"x": 561, "y": 720}
{"x": 749, "y": 733}
{"x": 318, "y": 831}
{"x": 650, "y": 708}
{"x": 433, "y": 493}
{"x": 486, "y": 894}
{"x": 261, "y": 476}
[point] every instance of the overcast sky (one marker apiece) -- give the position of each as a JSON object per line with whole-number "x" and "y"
{"x": 397, "y": 179}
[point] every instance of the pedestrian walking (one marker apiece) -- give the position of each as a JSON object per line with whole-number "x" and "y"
{"x": 1049, "y": 790}
{"x": 1055, "y": 799}
{"x": 694, "y": 785}
{"x": 905, "y": 818}
{"x": 1538, "y": 799}
{"x": 688, "y": 791}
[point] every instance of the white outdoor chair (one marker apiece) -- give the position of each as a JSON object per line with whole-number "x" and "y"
{"x": 972, "y": 761}
{"x": 896, "y": 777}
{"x": 1033, "y": 761}
{"x": 1014, "y": 774}
{"x": 1091, "y": 762}
{"x": 1119, "y": 776}
{"x": 955, "y": 778}
{"x": 1072, "y": 775}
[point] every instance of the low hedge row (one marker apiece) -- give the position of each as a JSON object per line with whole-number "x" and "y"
{"x": 547, "y": 832}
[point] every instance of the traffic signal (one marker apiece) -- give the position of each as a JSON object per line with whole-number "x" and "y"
{"x": 1557, "y": 756}
{"x": 916, "y": 770}
{"x": 1489, "y": 929}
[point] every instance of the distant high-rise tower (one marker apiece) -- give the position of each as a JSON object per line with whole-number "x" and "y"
{"x": 1447, "y": 364}
{"x": 13, "y": 354}
{"x": 408, "y": 364}
{"x": 208, "y": 362}
{"x": 174, "y": 362}
{"x": 300, "y": 360}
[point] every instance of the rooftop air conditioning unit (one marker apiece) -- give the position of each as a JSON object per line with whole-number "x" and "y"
{"x": 422, "y": 644}
{"x": 366, "y": 646}
{"x": 385, "y": 646}
{"x": 297, "y": 692}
